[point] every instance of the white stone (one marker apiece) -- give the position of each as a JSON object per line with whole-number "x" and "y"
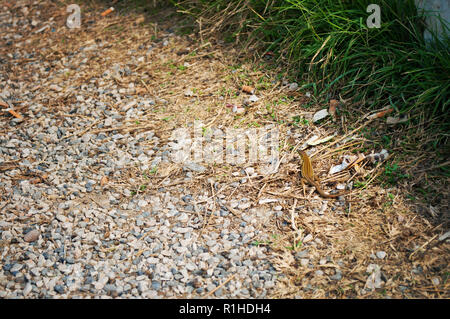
{"x": 128, "y": 106}
{"x": 244, "y": 205}
{"x": 267, "y": 200}
{"x": 61, "y": 218}
{"x": 108, "y": 122}
{"x": 307, "y": 238}
{"x": 16, "y": 267}
{"x": 293, "y": 86}
{"x": 142, "y": 203}
{"x": 320, "y": 115}
{"x": 381, "y": 254}
{"x": 183, "y": 217}
{"x": 27, "y": 289}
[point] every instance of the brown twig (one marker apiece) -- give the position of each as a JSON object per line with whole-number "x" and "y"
{"x": 219, "y": 286}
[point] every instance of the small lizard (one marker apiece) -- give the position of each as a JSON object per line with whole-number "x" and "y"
{"x": 308, "y": 175}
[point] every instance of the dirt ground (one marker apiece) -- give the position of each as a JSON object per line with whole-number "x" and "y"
{"x": 373, "y": 243}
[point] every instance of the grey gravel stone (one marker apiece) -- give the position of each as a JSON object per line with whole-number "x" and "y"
{"x": 301, "y": 254}
{"x": 27, "y": 289}
{"x": 187, "y": 198}
{"x": 110, "y": 288}
{"x": 435, "y": 281}
{"x": 15, "y": 268}
{"x": 94, "y": 227}
{"x": 59, "y": 289}
{"x": 381, "y": 254}
{"x": 304, "y": 262}
{"x": 192, "y": 166}
{"x": 218, "y": 293}
{"x": 156, "y": 285}
{"x": 337, "y": 276}
{"x": 292, "y": 86}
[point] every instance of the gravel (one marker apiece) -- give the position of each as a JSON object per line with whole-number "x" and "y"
{"x": 76, "y": 227}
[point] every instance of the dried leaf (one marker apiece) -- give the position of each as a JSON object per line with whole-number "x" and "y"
{"x": 141, "y": 90}
{"x": 248, "y": 89}
{"x": 444, "y": 236}
{"x": 395, "y": 120}
{"x": 380, "y": 114}
{"x": 338, "y": 168}
{"x": 140, "y": 20}
{"x": 320, "y": 115}
{"x": 253, "y": 98}
{"x": 323, "y": 140}
{"x": 35, "y": 180}
{"x": 10, "y": 110}
{"x": 333, "y": 107}
{"x": 374, "y": 281}
{"x": 103, "y": 181}
{"x": 240, "y": 110}
{"x": 311, "y": 140}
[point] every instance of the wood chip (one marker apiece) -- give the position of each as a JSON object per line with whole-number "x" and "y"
{"x": 103, "y": 181}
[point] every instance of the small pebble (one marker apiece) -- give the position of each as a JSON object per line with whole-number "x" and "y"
{"x": 59, "y": 289}
{"x": 31, "y": 236}
{"x": 381, "y": 254}
{"x": 27, "y": 289}
{"x": 156, "y": 285}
